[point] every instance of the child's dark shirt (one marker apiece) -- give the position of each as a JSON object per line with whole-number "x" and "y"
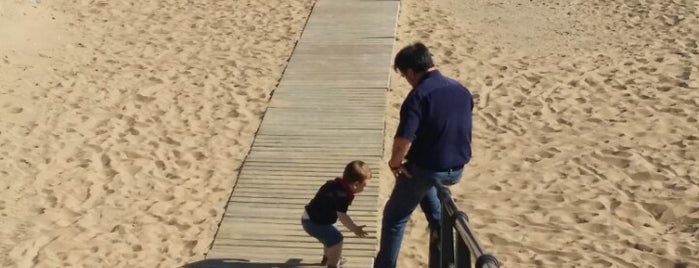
{"x": 332, "y": 197}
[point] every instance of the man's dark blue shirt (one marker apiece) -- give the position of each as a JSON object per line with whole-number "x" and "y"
{"x": 436, "y": 118}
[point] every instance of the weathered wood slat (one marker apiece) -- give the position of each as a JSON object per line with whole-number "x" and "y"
{"x": 260, "y": 233}
{"x": 331, "y": 154}
{"x": 257, "y": 233}
{"x": 304, "y": 239}
{"x": 329, "y": 167}
{"x": 306, "y": 244}
{"x": 258, "y": 205}
{"x": 290, "y": 188}
{"x": 302, "y": 182}
{"x": 288, "y": 191}
{"x": 262, "y": 251}
{"x": 296, "y": 200}
{"x": 292, "y": 213}
{"x": 312, "y": 181}
{"x": 287, "y": 200}
{"x": 273, "y": 234}
{"x": 287, "y": 213}
{"x": 340, "y": 164}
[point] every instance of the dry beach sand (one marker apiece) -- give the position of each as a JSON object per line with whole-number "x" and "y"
{"x": 123, "y": 125}
{"x": 586, "y": 140}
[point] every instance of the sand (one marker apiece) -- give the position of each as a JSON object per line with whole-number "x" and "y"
{"x": 123, "y": 126}
{"x": 585, "y": 128}
{"x": 123, "y": 123}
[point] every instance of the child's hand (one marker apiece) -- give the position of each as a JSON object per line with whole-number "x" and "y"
{"x": 359, "y": 231}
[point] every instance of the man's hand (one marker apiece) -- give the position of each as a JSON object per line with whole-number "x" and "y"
{"x": 400, "y": 149}
{"x": 359, "y": 231}
{"x": 399, "y": 170}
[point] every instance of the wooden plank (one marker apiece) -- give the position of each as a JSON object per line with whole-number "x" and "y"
{"x": 300, "y": 201}
{"x": 247, "y": 187}
{"x": 304, "y": 190}
{"x": 312, "y": 181}
{"x": 258, "y": 205}
{"x": 293, "y": 221}
{"x": 332, "y": 92}
{"x": 365, "y": 115}
{"x": 335, "y": 168}
{"x": 288, "y": 212}
{"x": 339, "y": 81}
{"x": 316, "y": 150}
{"x": 309, "y": 145}
{"x": 291, "y": 245}
{"x": 289, "y": 241}
{"x": 288, "y": 180}
{"x": 339, "y": 137}
{"x": 369, "y": 191}
{"x": 257, "y": 156}
{"x": 285, "y": 191}
{"x": 329, "y": 122}
{"x": 329, "y": 154}
{"x": 272, "y": 231}
{"x": 270, "y": 170}
{"x": 325, "y": 113}
{"x": 323, "y": 132}
{"x": 313, "y": 160}
{"x": 263, "y": 251}
{"x": 269, "y": 231}
{"x": 295, "y": 173}
{"x": 299, "y": 186}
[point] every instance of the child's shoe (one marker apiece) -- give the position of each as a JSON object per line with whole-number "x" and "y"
{"x": 324, "y": 261}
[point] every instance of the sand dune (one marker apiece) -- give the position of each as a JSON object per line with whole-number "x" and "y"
{"x": 123, "y": 124}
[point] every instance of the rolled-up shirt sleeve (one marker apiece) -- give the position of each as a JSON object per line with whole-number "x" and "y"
{"x": 410, "y": 116}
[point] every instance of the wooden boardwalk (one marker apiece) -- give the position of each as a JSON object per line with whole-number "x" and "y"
{"x": 327, "y": 111}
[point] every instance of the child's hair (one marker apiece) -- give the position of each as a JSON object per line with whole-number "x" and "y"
{"x": 356, "y": 171}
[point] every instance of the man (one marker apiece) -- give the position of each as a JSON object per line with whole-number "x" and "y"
{"x": 432, "y": 144}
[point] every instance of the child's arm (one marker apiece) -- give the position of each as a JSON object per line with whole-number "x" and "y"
{"x": 349, "y": 223}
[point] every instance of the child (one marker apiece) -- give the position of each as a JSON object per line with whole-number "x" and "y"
{"x": 330, "y": 204}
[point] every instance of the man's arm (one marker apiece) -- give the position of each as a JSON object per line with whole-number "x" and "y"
{"x": 410, "y": 117}
{"x": 400, "y": 149}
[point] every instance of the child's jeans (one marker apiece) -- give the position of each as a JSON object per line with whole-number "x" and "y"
{"x": 327, "y": 234}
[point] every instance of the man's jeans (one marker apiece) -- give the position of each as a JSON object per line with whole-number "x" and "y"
{"x": 406, "y": 195}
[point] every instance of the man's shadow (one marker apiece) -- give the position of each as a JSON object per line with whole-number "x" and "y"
{"x": 241, "y": 263}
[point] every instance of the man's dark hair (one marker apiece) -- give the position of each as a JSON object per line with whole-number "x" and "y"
{"x": 415, "y": 57}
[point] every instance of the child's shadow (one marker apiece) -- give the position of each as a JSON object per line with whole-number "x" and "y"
{"x": 240, "y": 263}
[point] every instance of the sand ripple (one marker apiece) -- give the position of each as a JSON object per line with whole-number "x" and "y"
{"x": 123, "y": 124}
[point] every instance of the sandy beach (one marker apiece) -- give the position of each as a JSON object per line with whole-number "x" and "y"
{"x": 585, "y": 128}
{"x": 123, "y": 126}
